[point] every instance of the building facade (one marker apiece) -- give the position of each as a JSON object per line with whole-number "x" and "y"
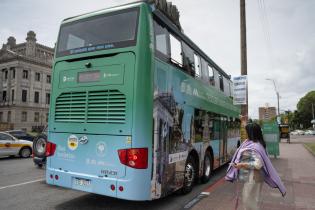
{"x": 25, "y": 83}
{"x": 267, "y": 113}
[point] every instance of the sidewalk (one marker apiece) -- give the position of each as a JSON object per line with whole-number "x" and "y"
{"x": 296, "y": 167}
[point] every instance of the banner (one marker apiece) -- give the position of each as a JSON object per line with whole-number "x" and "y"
{"x": 240, "y": 90}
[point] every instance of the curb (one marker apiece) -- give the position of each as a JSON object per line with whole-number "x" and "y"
{"x": 309, "y": 149}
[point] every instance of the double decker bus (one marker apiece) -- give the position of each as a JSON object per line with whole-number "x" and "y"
{"x": 137, "y": 111}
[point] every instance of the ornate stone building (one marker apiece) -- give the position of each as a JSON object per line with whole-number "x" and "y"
{"x": 25, "y": 83}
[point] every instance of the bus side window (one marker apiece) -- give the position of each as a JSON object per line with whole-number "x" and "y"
{"x": 176, "y": 51}
{"x": 161, "y": 41}
{"x": 204, "y": 71}
{"x": 211, "y": 75}
{"x": 231, "y": 88}
{"x": 226, "y": 86}
{"x": 216, "y": 78}
{"x": 221, "y": 83}
{"x": 197, "y": 66}
{"x": 188, "y": 59}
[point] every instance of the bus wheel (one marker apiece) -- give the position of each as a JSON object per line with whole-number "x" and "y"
{"x": 189, "y": 175}
{"x": 207, "y": 168}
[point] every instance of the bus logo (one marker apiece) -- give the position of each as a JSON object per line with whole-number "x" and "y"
{"x": 73, "y": 142}
{"x": 100, "y": 149}
{"x": 83, "y": 140}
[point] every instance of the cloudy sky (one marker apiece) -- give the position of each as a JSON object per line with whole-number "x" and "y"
{"x": 280, "y": 38}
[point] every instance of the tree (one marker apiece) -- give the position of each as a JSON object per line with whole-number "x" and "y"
{"x": 304, "y": 113}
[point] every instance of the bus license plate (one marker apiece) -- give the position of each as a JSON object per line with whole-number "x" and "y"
{"x": 82, "y": 182}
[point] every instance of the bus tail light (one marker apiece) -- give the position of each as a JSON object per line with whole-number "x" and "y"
{"x": 134, "y": 158}
{"x": 50, "y": 149}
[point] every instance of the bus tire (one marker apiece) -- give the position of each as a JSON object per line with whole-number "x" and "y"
{"x": 207, "y": 168}
{"x": 189, "y": 175}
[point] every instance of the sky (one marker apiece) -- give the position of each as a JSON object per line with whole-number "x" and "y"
{"x": 280, "y": 38}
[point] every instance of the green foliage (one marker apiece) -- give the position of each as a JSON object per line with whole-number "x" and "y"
{"x": 304, "y": 114}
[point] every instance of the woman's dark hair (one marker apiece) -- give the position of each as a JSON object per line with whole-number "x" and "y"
{"x": 255, "y": 134}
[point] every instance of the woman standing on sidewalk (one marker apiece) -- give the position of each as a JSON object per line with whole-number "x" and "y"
{"x": 251, "y": 165}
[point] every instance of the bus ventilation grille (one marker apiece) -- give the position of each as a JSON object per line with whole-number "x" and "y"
{"x": 103, "y": 106}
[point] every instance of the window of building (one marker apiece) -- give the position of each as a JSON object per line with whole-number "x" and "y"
{"x": 24, "y": 95}
{"x": 48, "y": 79}
{"x": 4, "y": 95}
{"x": 36, "y": 117}
{"x": 176, "y": 51}
{"x": 197, "y": 65}
{"x": 9, "y": 117}
{"x": 37, "y": 76}
{"x": 36, "y": 97}
{"x": 161, "y": 39}
{"x": 211, "y": 75}
{"x": 47, "y": 98}
{"x": 5, "y": 74}
{"x": 12, "y": 95}
{"x": 12, "y": 73}
{"x": 25, "y": 74}
{"x": 1, "y": 116}
{"x": 47, "y": 117}
{"x": 24, "y": 117}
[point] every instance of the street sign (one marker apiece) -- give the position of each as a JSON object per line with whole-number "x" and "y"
{"x": 240, "y": 90}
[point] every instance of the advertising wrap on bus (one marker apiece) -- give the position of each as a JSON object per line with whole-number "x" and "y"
{"x": 126, "y": 121}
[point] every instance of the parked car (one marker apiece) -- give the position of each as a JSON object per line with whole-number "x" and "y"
{"x": 19, "y": 134}
{"x": 293, "y": 133}
{"x": 39, "y": 149}
{"x": 11, "y": 146}
{"x": 310, "y": 132}
{"x": 300, "y": 132}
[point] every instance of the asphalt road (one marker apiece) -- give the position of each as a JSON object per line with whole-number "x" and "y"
{"x": 22, "y": 186}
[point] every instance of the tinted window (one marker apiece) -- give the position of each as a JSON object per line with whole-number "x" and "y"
{"x": 176, "y": 50}
{"x": 5, "y": 137}
{"x": 197, "y": 65}
{"x": 188, "y": 59}
{"x": 161, "y": 39}
{"x": 211, "y": 75}
{"x": 98, "y": 33}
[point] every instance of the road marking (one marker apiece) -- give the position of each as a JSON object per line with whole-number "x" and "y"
{"x": 204, "y": 193}
{"x": 20, "y": 184}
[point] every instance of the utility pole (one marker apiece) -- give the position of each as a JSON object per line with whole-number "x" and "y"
{"x": 244, "y": 108}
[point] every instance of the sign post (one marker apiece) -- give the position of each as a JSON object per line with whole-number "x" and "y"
{"x": 240, "y": 98}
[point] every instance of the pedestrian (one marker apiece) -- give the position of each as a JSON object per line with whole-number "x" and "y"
{"x": 252, "y": 166}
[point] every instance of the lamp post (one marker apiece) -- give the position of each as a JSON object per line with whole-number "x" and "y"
{"x": 274, "y": 84}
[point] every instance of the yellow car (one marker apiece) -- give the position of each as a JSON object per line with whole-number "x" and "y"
{"x": 11, "y": 146}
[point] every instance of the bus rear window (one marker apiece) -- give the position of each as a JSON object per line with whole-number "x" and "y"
{"x": 112, "y": 30}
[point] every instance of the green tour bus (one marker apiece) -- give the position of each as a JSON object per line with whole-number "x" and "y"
{"x": 137, "y": 111}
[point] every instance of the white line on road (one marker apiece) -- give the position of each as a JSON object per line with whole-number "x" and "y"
{"x": 24, "y": 183}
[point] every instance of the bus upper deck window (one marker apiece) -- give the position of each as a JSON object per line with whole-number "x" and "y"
{"x": 197, "y": 65}
{"x": 161, "y": 39}
{"x": 176, "y": 50}
{"x": 211, "y": 75}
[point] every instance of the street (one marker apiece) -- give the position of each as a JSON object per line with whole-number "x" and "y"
{"x": 22, "y": 186}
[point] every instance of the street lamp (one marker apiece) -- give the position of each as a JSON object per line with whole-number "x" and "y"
{"x": 274, "y": 84}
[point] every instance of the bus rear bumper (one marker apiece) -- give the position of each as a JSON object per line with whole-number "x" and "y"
{"x": 112, "y": 187}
